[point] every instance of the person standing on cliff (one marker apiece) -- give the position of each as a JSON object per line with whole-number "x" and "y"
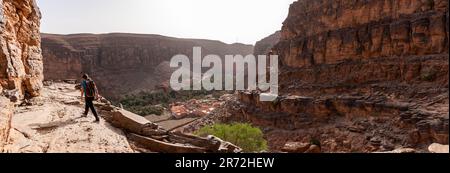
{"x": 90, "y": 93}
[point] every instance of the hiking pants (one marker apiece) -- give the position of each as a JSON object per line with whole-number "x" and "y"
{"x": 90, "y": 105}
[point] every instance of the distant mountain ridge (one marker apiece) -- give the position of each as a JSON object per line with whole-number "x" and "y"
{"x": 264, "y": 46}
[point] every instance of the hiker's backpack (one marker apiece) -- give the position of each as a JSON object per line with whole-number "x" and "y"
{"x": 91, "y": 89}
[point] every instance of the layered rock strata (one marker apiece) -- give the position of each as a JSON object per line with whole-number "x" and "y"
{"x": 359, "y": 76}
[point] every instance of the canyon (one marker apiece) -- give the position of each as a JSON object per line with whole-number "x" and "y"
{"x": 355, "y": 76}
{"x": 358, "y": 76}
{"x": 122, "y": 63}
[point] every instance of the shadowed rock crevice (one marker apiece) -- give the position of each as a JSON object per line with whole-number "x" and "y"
{"x": 264, "y": 46}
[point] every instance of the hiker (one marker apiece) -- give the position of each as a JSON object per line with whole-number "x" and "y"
{"x": 90, "y": 93}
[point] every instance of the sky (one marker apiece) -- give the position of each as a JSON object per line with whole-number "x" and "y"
{"x": 230, "y": 21}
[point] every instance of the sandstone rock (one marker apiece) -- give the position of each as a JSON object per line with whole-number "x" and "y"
{"x": 20, "y": 51}
{"x": 70, "y": 81}
{"x": 224, "y": 147}
{"x": 13, "y": 95}
{"x": 433, "y": 130}
{"x": 72, "y": 102}
{"x": 296, "y": 147}
{"x": 47, "y": 83}
{"x": 194, "y": 108}
{"x": 329, "y": 32}
{"x": 128, "y": 121}
{"x": 310, "y": 17}
{"x": 402, "y": 150}
{"x": 356, "y": 129}
{"x": 6, "y": 112}
{"x": 105, "y": 101}
{"x": 438, "y": 148}
{"x": 46, "y": 125}
{"x": 164, "y": 147}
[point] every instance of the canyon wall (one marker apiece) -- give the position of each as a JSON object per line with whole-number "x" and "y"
{"x": 21, "y": 65}
{"x": 329, "y": 32}
{"x": 346, "y": 43}
{"x": 122, "y": 63}
{"x": 20, "y": 54}
{"x": 264, "y": 46}
{"x": 359, "y": 76}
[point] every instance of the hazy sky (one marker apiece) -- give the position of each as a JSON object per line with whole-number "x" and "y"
{"x": 244, "y": 21}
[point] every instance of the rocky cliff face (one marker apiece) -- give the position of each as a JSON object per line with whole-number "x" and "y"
{"x": 360, "y": 76}
{"x": 329, "y": 32}
{"x": 20, "y": 53}
{"x": 20, "y": 57}
{"x": 264, "y": 46}
{"x": 122, "y": 63}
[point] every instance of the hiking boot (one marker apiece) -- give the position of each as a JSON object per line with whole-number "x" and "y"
{"x": 84, "y": 115}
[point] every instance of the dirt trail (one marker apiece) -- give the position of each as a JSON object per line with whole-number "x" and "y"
{"x": 52, "y": 123}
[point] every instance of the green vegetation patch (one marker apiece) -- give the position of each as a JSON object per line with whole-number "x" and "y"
{"x": 249, "y": 138}
{"x": 147, "y": 103}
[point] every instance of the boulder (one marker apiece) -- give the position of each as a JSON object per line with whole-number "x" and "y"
{"x": 438, "y": 148}
{"x": 165, "y": 147}
{"x": 128, "y": 121}
{"x": 156, "y": 139}
{"x": 179, "y": 111}
{"x": 296, "y": 147}
{"x": 368, "y": 60}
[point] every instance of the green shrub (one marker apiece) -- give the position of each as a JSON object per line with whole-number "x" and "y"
{"x": 249, "y": 138}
